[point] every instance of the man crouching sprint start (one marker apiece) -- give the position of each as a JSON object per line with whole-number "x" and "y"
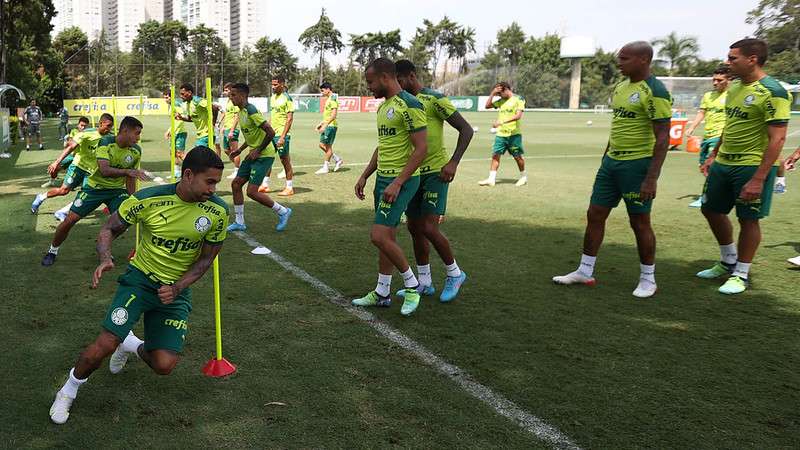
{"x": 183, "y": 226}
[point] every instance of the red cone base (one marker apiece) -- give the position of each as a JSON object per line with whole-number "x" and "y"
{"x": 218, "y": 368}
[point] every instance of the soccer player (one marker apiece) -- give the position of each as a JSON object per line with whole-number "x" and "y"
{"x": 180, "y": 130}
{"x": 196, "y": 112}
{"x": 83, "y": 123}
{"x": 258, "y": 134}
{"x": 230, "y": 132}
{"x": 84, "y": 164}
{"x": 712, "y": 109}
{"x": 509, "y": 135}
{"x": 780, "y": 178}
{"x": 402, "y": 146}
{"x": 741, "y": 169}
{"x": 63, "y": 122}
{"x": 631, "y": 165}
{"x": 327, "y": 129}
{"x": 789, "y": 163}
{"x": 182, "y": 228}
{"x": 110, "y": 184}
{"x": 33, "y": 119}
{"x": 436, "y": 172}
{"x": 281, "y": 117}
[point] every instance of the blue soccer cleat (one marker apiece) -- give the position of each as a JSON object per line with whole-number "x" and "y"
{"x": 237, "y": 227}
{"x": 283, "y": 219}
{"x": 451, "y": 287}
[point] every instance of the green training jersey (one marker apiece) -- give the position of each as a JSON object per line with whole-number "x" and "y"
{"x": 250, "y": 121}
{"x": 180, "y": 108}
{"x": 280, "y": 105}
{"x": 636, "y": 106}
{"x": 88, "y": 140}
{"x": 231, "y": 112}
{"x": 398, "y": 117}
{"x": 437, "y": 109}
{"x": 507, "y": 109}
{"x": 197, "y": 109}
{"x": 172, "y": 231}
{"x": 331, "y": 105}
{"x": 74, "y": 132}
{"x": 713, "y": 104}
{"x": 751, "y": 108}
{"x": 118, "y": 158}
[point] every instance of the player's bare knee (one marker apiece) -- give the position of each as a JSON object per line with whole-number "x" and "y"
{"x": 163, "y": 362}
{"x": 640, "y": 222}
{"x": 252, "y": 191}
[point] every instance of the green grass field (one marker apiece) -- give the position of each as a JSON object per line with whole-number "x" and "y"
{"x": 689, "y": 368}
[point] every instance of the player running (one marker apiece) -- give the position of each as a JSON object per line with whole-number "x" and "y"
{"x": 436, "y": 172}
{"x": 402, "y": 146}
{"x": 281, "y": 118}
{"x": 327, "y": 129}
{"x": 182, "y": 230}
{"x": 631, "y": 166}
{"x": 180, "y": 130}
{"x": 196, "y": 111}
{"x": 32, "y": 116}
{"x": 509, "y": 134}
{"x": 258, "y": 134}
{"x": 741, "y": 169}
{"x": 83, "y": 123}
{"x": 230, "y": 132}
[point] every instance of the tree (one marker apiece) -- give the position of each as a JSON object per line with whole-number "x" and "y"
{"x": 275, "y": 59}
{"x": 510, "y": 44}
{"x": 206, "y": 47}
{"x": 320, "y": 38}
{"x": 369, "y": 46}
{"x": 778, "y": 22}
{"x": 419, "y": 53}
{"x": 677, "y": 51}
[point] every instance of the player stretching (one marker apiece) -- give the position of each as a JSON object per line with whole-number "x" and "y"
{"x": 196, "y": 111}
{"x": 741, "y": 170}
{"x": 402, "y": 147}
{"x": 258, "y": 134}
{"x": 509, "y": 136}
{"x": 182, "y": 229}
{"x": 230, "y": 134}
{"x": 281, "y": 118}
{"x": 83, "y": 123}
{"x": 327, "y": 129}
{"x": 180, "y": 131}
{"x": 631, "y": 165}
{"x": 436, "y": 172}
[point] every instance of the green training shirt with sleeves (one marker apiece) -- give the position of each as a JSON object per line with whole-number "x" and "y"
{"x": 250, "y": 121}
{"x": 118, "y": 158}
{"x": 197, "y": 109}
{"x": 85, "y": 153}
{"x": 280, "y": 105}
{"x": 231, "y": 111}
{"x": 438, "y": 109}
{"x": 397, "y": 118}
{"x": 507, "y": 109}
{"x": 331, "y": 104}
{"x": 636, "y": 106}
{"x": 713, "y": 104}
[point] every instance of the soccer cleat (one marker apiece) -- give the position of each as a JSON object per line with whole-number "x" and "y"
{"x": 780, "y": 188}
{"x": 410, "y": 302}
{"x": 486, "y": 182}
{"x": 645, "y": 289}
{"x": 237, "y": 227}
{"x": 338, "y": 165}
{"x": 37, "y": 202}
{"x": 27, "y": 147}
{"x": 264, "y": 188}
{"x": 422, "y": 290}
{"x": 5, "y": 155}
{"x": 795, "y": 260}
{"x": 49, "y": 259}
{"x": 286, "y": 192}
{"x": 522, "y": 181}
{"x": 283, "y": 220}
{"x": 59, "y": 411}
{"x": 372, "y": 299}
{"x": 118, "y": 359}
{"x": 282, "y": 175}
{"x": 322, "y": 171}
{"x": 41, "y": 146}
{"x": 734, "y": 285}
{"x": 574, "y": 278}
{"x": 60, "y": 216}
{"x": 717, "y": 270}
{"x": 451, "y": 287}
{"x": 696, "y": 204}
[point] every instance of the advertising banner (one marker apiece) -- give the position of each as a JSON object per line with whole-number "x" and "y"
{"x": 465, "y": 103}
{"x": 370, "y": 104}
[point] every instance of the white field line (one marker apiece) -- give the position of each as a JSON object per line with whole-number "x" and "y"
{"x": 506, "y": 408}
{"x": 793, "y": 133}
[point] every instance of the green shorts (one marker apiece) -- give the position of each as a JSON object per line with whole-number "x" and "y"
{"x": 389, "y": 213}
{"x": 430, "y": 198}
{"x": 617, "y": 180}
{"x": 328, "y": 135}
{"x": 706, "y": 147}
{"x": 255, "y": 171}
{"x": 74, "y": 177}
{"x": 226, "y": 143}
{"x": 89, "y": 199}
{"x": 282, "y": 151}
{"x": 201, "y": 141}
{"x": 180, "y": 142}
{"x": 165, "y": 326}
{"x": 723, "y": 185}
{"x": 510, "y": 144}
{"x": 67, "y": 161}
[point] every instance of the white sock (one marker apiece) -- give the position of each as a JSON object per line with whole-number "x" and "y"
{"x": 453, "y": 270}
{"x": 65, "y": 209}
{"x": 280, "y": 209}
{"x": 289, "y": 184}
{"x": 53, "y": 250}
{"x": 409, "y": 280}
{"x": 492, "y": 175}
{"x": 41, "y": 197}
{"x": 424, "y": 273}
{"x": 325, "y": 165}
{"x": 131, "y": 343}
{"x": 648, "y": 272}
{"x": 265, "y": 182}
{"x": 780, "y": 180}
{"x": 742, "y": 270}
{"x": 523, "y": 173}
{"x": 336, "y": 158}
{"x": 384, "y": 284}
{"x": 239, "y": 211}
{"x": 70, "y": 388}
{"x": 586, "y": 267}
{"x": 728, "y": 253}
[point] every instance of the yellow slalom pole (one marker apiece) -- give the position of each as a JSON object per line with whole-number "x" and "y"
{"x": 172, "y": 132}
{"x": 141, "y": 106}
{"x": 114, "y": 112}
{"x": 217, "y": 313}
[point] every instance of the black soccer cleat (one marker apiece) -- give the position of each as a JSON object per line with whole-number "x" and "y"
{"x": 49, "y": 259}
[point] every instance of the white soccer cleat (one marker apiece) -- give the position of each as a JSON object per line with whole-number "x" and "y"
{"x": 59, "y": 411}
{"x": 486, "y": 182}
{"x": 522, "y": 181}
{"x": 645, "y": 289}
{"x": 282, "y": 175}
{"x": 232, "y": 175}
{"x": 795, "y": 260}
{"x": 60, "y": 216}
{"x": 338, "y": 165}
{"x": 118, "y": 359}
{"x": 321, "y": 171}
{"x": 574, "y": 278}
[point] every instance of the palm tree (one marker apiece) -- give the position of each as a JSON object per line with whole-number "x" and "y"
{"x": 677, "y": 51}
